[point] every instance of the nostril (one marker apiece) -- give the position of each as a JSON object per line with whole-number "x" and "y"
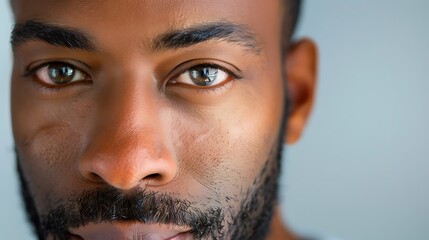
{"x": 125, "y": 169}
{"x": 95, "y": 177}
{"x": 153, "y": 177}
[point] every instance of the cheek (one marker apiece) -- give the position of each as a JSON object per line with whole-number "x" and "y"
{"x": 47, "y": 160}
{"x": 47, "y": 142}
{"x": 224, "y": 148}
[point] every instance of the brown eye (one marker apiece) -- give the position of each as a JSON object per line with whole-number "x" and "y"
{"x": 59, "y": 74}
{"x": 202, "y": 75}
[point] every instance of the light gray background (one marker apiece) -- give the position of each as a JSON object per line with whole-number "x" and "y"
{"x": 361, "y": 170}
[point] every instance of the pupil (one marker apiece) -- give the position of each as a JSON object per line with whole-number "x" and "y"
{"x": 204, "y": 76}
{"x": 61, "y": 74}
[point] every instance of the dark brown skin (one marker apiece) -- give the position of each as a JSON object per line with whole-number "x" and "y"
{"x": 131, "y": 124}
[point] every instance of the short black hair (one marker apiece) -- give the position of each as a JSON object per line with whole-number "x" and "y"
{"x": 291, "y": 13}
{"x": 294, "y": 10}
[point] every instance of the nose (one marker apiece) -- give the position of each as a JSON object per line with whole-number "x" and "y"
{"x": 127, "y": 146}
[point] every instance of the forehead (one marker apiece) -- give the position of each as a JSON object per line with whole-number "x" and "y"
{"x": 146, "y": 7}
{"x": 149, "y": 17}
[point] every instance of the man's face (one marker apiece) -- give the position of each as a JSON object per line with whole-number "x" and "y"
{"x": 162, "y": 106}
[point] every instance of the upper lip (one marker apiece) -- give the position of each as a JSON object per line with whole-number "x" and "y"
{"x": 126, "y": 230}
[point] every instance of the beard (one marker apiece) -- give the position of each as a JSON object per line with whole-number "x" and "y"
{"x": 107, "y": 204}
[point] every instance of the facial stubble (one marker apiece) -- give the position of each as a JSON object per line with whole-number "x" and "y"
{"x": 251, "y": 221}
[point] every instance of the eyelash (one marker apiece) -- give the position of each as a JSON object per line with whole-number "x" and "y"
{"x": 52, "y": 89}
{"x": 211, "y": 88}
{"x": 31, "y": 72}
{"x": 213, "y": 65}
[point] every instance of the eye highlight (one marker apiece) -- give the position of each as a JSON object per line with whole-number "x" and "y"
{"x": 56, "y": 74}
{"x": 204, "y": 75}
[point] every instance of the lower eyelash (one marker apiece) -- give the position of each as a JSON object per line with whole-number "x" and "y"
{"x": 51, "y": 91}
{"x": 216, "y": 90}
{"x": 46, "y": 90}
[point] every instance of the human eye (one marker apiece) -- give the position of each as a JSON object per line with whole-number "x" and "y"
{"x": 57, "y": 74}
{"x": 204, "y": 75}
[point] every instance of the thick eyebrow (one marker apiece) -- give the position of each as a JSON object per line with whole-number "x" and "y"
{"x": 218, "y": 31}
{"x": 52, "y": 34}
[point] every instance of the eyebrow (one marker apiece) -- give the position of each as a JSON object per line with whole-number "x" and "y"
{"x": 219, "y": 31}
{"x": 59, "y": 36}
{"x": 68, "y": 37}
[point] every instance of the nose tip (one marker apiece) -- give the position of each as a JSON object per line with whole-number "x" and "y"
{"x": 128, "y": 165}
{"x": 127, "y": 143}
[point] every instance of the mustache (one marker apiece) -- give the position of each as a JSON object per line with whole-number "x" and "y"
{"x": 107, "y": 204}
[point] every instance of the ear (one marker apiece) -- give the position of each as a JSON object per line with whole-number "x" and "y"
{"x": 301, "y": 71}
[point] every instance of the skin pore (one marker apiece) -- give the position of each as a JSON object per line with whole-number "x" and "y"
{"x": 156, "y": 119}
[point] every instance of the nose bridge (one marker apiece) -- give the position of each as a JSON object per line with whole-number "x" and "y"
{"x": 128, "y": 105}
{"x": 127, "y": 146}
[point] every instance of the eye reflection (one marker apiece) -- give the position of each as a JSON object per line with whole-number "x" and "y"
{"x": 59, "y": 74}
{"x": 203, "y": 75}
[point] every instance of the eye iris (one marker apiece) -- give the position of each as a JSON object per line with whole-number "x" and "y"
{"x": 61, "y": 74}
{"x": 203, "y": 76}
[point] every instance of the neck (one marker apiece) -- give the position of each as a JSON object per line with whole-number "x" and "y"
{"x": 278, "y": 229}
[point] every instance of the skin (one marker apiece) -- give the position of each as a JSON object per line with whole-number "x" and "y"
{"x": 130, "y": 124}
